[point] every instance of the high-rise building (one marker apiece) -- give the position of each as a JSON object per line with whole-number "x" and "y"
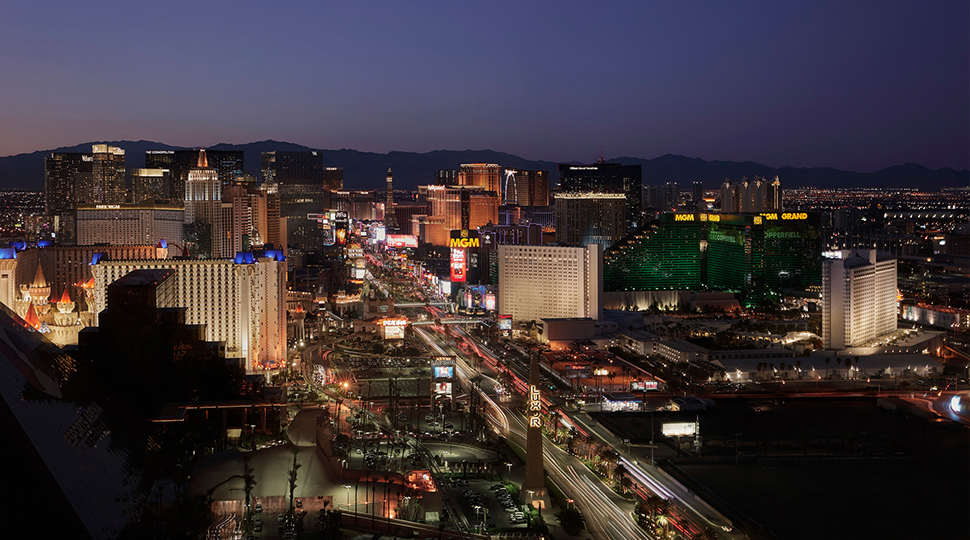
{"x": 228, "y": 164}
{"x": 446, "y": 177}
{"x": 390, "y": 220}
{"x": 108, "y": 176}
{"x": 203, "y": 210}
{"x": 605, "y": 177}
{"x": 757, "y": 256}
{"x": 697, "y": 196}
{"x": 487, "y": 175}
{"x": 756, "y": 195}
{"x": 129, "y": 224}
{"x": 304, "y": 186}
{"x": 664, "y": 198}
{"x": 151, "y": 185}
{"x": 526, "y": 188}
{"x": 241, "y": 301}
{"x": 462, "y": 207}
{"x": 590, "y": 218}
{"x": 64, "y": 174}
{"x": 858, "y": 298}
{"x": 537, "y": 282}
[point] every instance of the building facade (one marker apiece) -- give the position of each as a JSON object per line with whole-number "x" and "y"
{"x": 858, "y": 298}
{"x": 526, "y": 188}
{"x": 486, "y": 175}
{"x": 128, "y": 225}
{"x": 755, "y": 255}
{"x": 151, "y": 185}
{"x": 605, "y": 177}
{"x": 537, "y": 282}
{"x": 241, "y": 301}
{"x": 590, "y": 218}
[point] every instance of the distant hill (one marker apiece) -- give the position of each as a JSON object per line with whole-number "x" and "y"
{"x": 366, "y": 170}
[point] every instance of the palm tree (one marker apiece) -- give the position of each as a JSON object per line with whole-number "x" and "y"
{"x": 292, "y": 477}
{"x": 709, "y": 534}
{"x": 827, "y": 362}
{"x": 839, "y": 362}
{"x": 249, "y": 482}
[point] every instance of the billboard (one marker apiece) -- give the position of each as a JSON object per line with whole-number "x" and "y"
{"x": 679, "y": 429}
{"x": 341, "y": 228}
{"x": 490, "y": 302}
{"x": 457, "y": 265}
{"x": 401, "y": 240}
{"x": 442, "y": 388}
{"x": 577, "y": 372}
{"x": 504, "y": 322}
{"x": 644, "y": 385}
{"x": 444, "y": 372}
{"x": 463, "y": 239}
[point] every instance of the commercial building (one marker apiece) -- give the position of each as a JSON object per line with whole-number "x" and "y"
{"x": 538, "y": 282}
{"x": 462, "y": 207}
{"x": 756, "y": 195}
{"x": 664, "y": 198}
{"x": 755, "y": 255}
{"x": 486, "y": 175}
{"x": 228, "y": 164}
{"x": 602, "y": 177}
{"x": 241, "y": 301}
{"x": 76, "y": 178}
{"x": 858, "y": 298}
{"x": 129, "y": 224}
{"x": 303, "y": 184}
{"x": 151, "y": 185}
{"x": 204, "y": 231}
{"x": 590, "y": 218}
{"x": 526, "y": 188}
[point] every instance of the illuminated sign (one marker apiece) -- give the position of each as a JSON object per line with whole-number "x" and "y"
{"x": 504, "y": 322}
{"x": 535, "y": 407}
{"x": 683, "y": 217}
{"x": 457, "y": 265}
{"x": 444, "y": 372}
{"x": 679, "y": 429}
{"x": 464, "y": 239}
{"x": 578, "y": 372}
{"x": 644, "y": 385}
{"x": 401, "y": 240}
{"x": 786, "y": 216}
{"x": 442, "y": 388}
{"x": 490, "y": 302}
{"x": 401, "y": 321}
{"x": 107, "y": 206}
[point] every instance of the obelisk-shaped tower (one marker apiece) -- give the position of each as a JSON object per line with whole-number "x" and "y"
{"x": 534, "y": 481}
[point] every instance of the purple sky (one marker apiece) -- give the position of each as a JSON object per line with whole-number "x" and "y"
{"x": 853, "y": 85}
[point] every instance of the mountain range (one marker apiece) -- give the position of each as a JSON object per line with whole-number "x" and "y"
{"x": 366, "y": 170}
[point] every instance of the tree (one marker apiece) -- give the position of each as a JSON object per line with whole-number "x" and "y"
{"x": 249, "y": 482}
{"x": 709, "y": 534}
{"x": 827, "y": 362}
{"x": 292, "y": 477}
{"x": 571, "y": 520}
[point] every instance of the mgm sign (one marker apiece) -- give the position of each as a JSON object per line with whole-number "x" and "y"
{"x": 534, "y": 407}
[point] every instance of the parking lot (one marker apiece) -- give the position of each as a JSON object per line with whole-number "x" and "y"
{"x": 489, "y": 502}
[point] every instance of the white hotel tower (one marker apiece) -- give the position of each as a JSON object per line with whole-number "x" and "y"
{"x": 241, "y": 301}
{"x": 858, "y": 298}
{"x": 543, "y": 282}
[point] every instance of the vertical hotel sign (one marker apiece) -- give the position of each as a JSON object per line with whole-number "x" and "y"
{"x": 459, "y": 243}
{"x": 535, "y": 407}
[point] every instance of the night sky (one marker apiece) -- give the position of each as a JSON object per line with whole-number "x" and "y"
{"x": 852, "y": 85}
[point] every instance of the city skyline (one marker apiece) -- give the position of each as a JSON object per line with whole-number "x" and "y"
{"x": 852, "y": 87}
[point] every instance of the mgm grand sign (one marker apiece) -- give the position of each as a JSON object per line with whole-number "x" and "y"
{"x": 464, "y": 238}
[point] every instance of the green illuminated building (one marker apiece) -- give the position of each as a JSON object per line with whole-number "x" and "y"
{"x": 754, "y": 255}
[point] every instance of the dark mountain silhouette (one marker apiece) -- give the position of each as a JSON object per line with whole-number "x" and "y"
{"x": 366, "y": 170}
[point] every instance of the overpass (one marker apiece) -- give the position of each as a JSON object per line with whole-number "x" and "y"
{"x": 449, "y": 321}
{"x": 423, "y": 304}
